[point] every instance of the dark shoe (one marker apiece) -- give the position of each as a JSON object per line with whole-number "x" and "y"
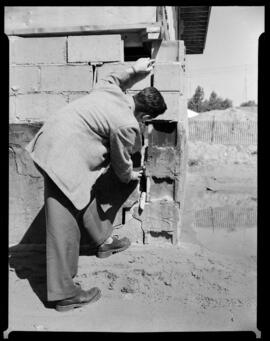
{"x": 118, "y": 245}
{"x": 81, "y": 299}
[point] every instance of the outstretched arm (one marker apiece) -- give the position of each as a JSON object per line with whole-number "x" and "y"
{"x": 133, "y": 74}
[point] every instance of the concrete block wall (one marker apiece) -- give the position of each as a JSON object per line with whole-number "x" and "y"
{"x": 48, "y": 72}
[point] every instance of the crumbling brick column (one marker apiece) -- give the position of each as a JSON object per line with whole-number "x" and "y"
{"x": 165, "y": 156}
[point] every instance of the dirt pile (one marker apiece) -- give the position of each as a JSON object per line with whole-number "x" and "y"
{"x": 242, "y": 114}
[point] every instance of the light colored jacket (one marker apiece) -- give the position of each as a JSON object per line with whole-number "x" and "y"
{"x": 78, "y": 142}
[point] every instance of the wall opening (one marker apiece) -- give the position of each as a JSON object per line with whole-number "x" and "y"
{"x": 163, "y": 134}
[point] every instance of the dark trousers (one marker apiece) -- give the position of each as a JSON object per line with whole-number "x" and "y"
{"x": 63, "y": 238}
{"x": 64, "y": 223}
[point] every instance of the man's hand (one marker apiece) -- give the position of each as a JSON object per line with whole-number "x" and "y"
{"x": 144, "y": 65}
{"x": 136, "y": 175}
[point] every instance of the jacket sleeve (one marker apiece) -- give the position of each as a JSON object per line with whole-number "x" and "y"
{"x": 122, "y": 142}
{"x": 124, "y": 79}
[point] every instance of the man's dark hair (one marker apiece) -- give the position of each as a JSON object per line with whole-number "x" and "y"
{"x": 150, "y": 101}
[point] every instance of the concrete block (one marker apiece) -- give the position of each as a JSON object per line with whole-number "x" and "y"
{"x": 38, "y": 107}
{"x": 169, "y": 77}
{"x": 168, "y": 51}
{"x": 50, "y": 50}
{"x": 159, "y": 216}
{"x": 107, "y": 68}
{"x": 66, "y": 78}
{"x": 23, "y": 79}
{"x": 95, "y": 48}
{"x": 162, "y": 162}
{"x": 176, "y": 107}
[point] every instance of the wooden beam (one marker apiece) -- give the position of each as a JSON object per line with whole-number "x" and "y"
{"x": 86, "y": 29}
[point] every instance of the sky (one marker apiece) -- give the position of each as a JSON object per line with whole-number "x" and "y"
{"x": 229, "y": 64}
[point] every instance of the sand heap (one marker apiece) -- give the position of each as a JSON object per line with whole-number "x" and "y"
{"x": 242, "y": 114}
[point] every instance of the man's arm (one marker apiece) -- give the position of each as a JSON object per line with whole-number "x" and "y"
{"x": 122, "y": 142}
{"x": 127, "y": 78}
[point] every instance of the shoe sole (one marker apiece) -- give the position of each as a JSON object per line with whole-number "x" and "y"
{"x": 78, "y": 305}
{"x": 105, "y": 254}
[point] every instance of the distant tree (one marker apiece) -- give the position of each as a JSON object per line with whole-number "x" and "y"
{"x": 205, "y": 105}
{"x": 227, "y": 103}
{"x": 248, "y": 104}
{"x": 198, "y": 104}
{"x": 195, "y": 103}
{"x": 214, "y": 101}
{"x": 217, "y": 103}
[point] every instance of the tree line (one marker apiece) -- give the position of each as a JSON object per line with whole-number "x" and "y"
{"x": 199, "y": 104}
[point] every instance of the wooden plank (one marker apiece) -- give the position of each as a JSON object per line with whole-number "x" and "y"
{"x": 86, "y": 29}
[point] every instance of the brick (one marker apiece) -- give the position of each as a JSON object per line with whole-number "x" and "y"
{"x": 159, "y": 216}
{"x": 95, "y": 48}
{"x": 23, "y": 79}
{"x": 66, "y": 78}
{"x": 176, "y": 107}
{"x": 169, "y": 77}
{"x": 38, "y": 107}
{"x": 107, "y": 68}
{"x": 168, "y": 51}
{"x": 38, "y": 50}
{"x": 162, "y": 162}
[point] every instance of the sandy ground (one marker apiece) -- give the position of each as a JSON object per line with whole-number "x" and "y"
{"x": 146, "y": 289}
{"x": 207, "y": 283}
